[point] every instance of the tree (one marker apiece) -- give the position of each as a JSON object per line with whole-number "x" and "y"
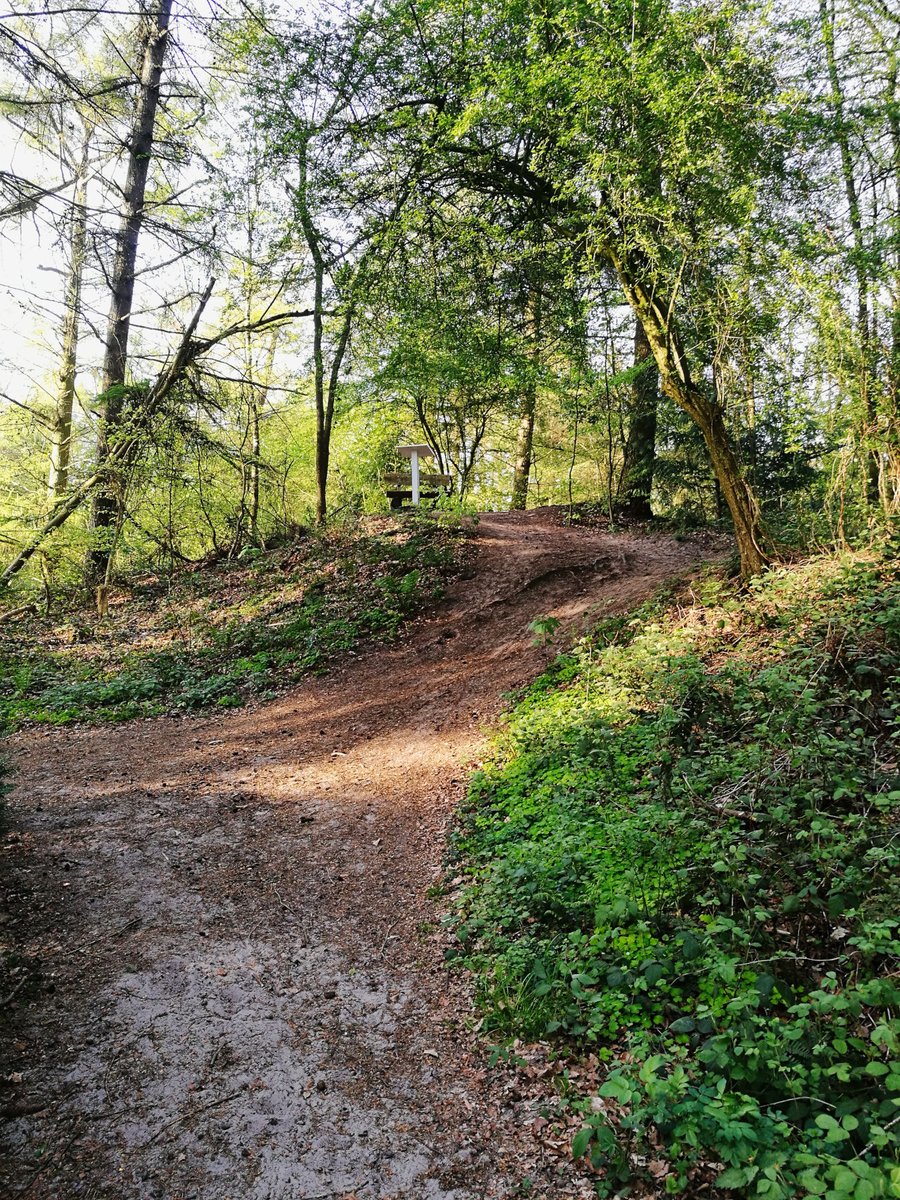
{"x": 61, "y": 428}
{"x": 652, "y": 182}
{"x": 316, "y": 92}
{"x": 448, "y": 350}
{"x": 853, "y": 116}
{"x": 148, "y": 403}
{"x": 47, "y": 78}
{"x": 669, "y": 197}
{"x": 154, "y": 39}
{"x": 323, "y": 262}
{"x": 640, "y": 448}
{"x": 525, "y": 432}
{"x": 840, "y": 132}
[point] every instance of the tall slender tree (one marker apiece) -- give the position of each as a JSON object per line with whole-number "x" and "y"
{"x": 859, "y": 258}
{"x": 153, "y": 43}
{"x": 525, "y": 431}
{"x": 61, "y": 420}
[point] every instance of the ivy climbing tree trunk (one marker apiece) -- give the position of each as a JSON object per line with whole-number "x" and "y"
{"x": 893, "y": 112}
{"x": 154, "y": 38}
{"x": 640, "y": 446}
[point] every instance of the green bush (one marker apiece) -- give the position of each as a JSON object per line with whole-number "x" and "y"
{"x": 685, "y": 854}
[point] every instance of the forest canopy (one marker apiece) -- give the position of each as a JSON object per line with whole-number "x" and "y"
{"x": 642, "y": 255}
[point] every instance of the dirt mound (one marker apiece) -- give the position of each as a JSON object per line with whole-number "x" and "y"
{"x": 239, "y": 994}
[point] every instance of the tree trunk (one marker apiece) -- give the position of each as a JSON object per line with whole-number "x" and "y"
{"x": 653, "y": 313}
{"x": 525, "y": 434}
{"x": 259, "y": 392}
{"x": 126, "y": 446}
{"x": 640, "y": 446}
{"x": 256, "y": 390}
{"x": 324, "y": 397}
{"x": 893, "y": 110}
{"x": 524, "y": 444}
{"x": 313, "y": 244}
{"x": 154, "y": 40}
{"x": 322, "y": 460}
{"x": 254, "y": 467}
{"x": 61, "y": 434}
{"x": 867, "y": 399}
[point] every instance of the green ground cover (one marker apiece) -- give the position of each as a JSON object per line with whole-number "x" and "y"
{"x": 684, "y": 858}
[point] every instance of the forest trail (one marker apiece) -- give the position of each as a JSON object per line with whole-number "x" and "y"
{"x": 239, "y": 999}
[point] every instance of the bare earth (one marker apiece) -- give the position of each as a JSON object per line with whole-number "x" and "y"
{"x": 240, "y": 995}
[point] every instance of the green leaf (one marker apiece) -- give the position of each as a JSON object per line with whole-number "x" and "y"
{"x": 883, "y": 1035}
{"x": 833, "y": 1131}
{"x": 581, "y": 1141}
{"x": 813, "y": 1184}
{"x": 616, "y": 1088}
{"x": 844, "y": 1181}
{"x": 734, "y": 1177}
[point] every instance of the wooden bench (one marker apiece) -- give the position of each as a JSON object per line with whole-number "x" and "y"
{"x": 398, "y": 486}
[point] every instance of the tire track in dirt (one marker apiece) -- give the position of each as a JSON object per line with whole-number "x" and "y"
{"x": 240, "y": 1001}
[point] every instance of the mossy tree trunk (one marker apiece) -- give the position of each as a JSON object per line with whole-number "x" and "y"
{"x": 653, "y": 312}
{"x": 640, "y": 446}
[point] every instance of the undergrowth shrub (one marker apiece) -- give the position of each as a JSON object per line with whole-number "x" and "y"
{"x": 685, "y": 857}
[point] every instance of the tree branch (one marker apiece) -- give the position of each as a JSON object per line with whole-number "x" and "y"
{"x": 190, "y": 349}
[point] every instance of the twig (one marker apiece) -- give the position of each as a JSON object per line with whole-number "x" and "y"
{"x": 284, "y": 904}
{"x": 389, "y": 935}
{"x": 133, "y": 924}
{"x": 7, "y": 1000}
{"x": 193, "y": 1113}
{"x": 12, "y": 613}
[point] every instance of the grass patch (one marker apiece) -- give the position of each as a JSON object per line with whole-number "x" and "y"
{"x": 215, "y": 637}
{"x": 684, "y": 859}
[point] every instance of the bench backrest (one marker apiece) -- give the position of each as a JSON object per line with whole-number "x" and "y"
{"x": 426, "y": 478}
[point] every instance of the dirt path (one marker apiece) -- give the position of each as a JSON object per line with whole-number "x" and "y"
{"x": 240, "y": 1000}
